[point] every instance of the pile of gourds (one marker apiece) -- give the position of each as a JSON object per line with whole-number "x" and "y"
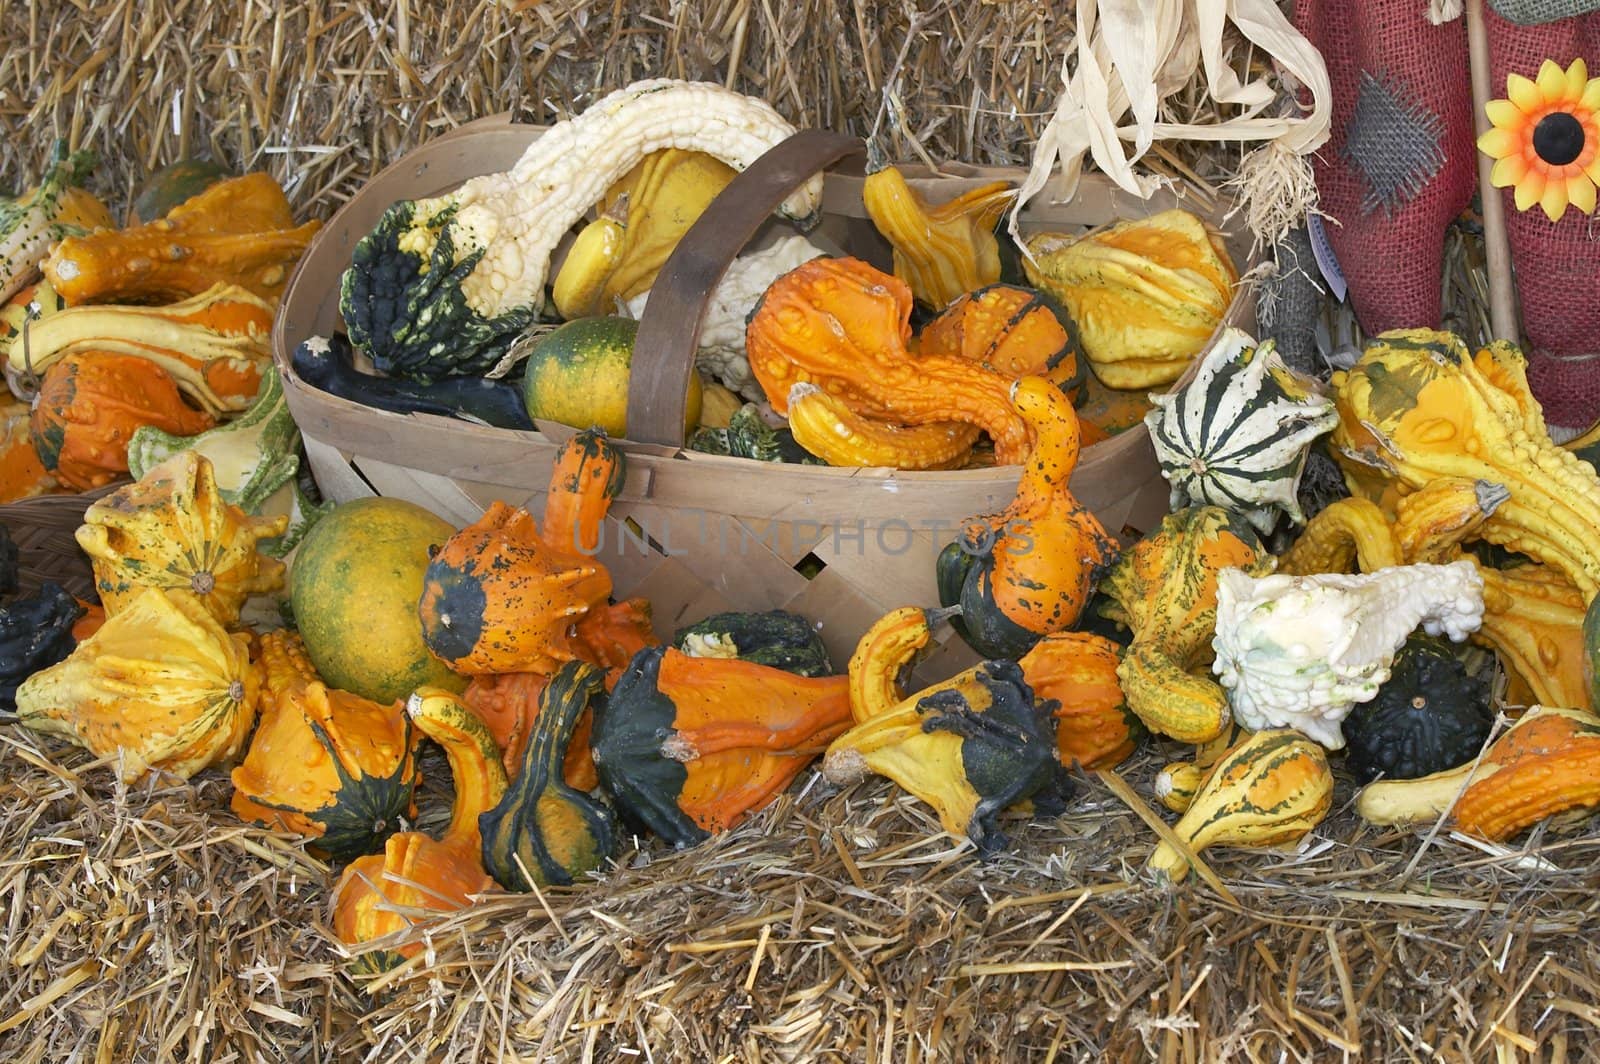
{"x": 802, "y": 357}
{"x": 120, "y": 341}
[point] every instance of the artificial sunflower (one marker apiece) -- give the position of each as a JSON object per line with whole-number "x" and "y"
{"x": 1546, "y": 139}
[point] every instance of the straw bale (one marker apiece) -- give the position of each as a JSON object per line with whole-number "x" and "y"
{"x": 147, "y": 923}
{"x": 322, "y": 93}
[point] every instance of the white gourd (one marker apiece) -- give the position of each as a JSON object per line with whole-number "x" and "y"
{"x": 1300, "y": 651}
{"x": 517, "y": 218}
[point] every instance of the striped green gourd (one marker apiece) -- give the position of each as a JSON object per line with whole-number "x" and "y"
{"x": 1237, "y": 435}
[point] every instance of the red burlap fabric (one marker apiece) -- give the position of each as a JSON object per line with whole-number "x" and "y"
{"x": 1557, "y": 263}
{"x": 1402, "y": 163}
{"x": 1402, "y": 115}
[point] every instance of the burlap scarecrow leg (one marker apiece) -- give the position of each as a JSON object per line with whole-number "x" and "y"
{"x": 1401, "y": 164}
{"x": 1557, "y": 263}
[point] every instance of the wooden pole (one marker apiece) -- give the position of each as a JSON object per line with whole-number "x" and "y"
{"x": 1497, "y": 246}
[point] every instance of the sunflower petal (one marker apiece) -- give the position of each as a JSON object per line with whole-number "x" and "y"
{"x": 1593, "y": 170}
{"x": 1508, "y": 171}
{"x": 1524, "y": 93}
{"x": 1529, "y": 190}
{"x": 1552, "y": 81}
{"x": 1504, "y": 113}
{"x": 1499, "y": 143}
{"x": 1554, "y": 200}
{"x": 1581, "y": 191}
{"x": 1590, "y": 100}
{"x": 1577, "y": 80}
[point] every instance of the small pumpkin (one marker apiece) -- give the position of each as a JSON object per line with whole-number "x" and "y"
{"x": 88, "y": 407}
{"x": 1165, "y": 589}
{"x": 1077, "y": 672}
{"x": 35, "y": 633}
{"x": 173, "y": 529}
{"x": 1030, "y": 568}
{"x": 161, "y": 685}
{"x": 690, "y": 746}
{"x": 239, "y": 231}
{"x": 1015, "y": 331}
{"x": 1270, "y": 789}
{"x": 417, "y": 877}
{"x": 324, "y": 764}
{"x": 940, "y": 251}
{"x": 970, "y": 748}
{"x": 1430, "y": 715}
{"x": 543, "y": 831}
{"x": 846, "y": 327}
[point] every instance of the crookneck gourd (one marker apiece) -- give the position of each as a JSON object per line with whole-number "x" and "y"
{"x": 1030, "y": 568}
{"x": 214, "y": 345}
{"x": 239, "y": 231}
{"x": 1164, "y": 588}
{"x": 846, "y": 327}
{"x": 1547, "y": 762}
{"x": 1146, "y": 293}
{"x": 1237, "y": 434}
{"x": 1430, "y": 715}
{"x": 641, "y": 219}
{"x": 441, "y": 286}
{"x": 417, "y": 877}
{"x": 941, "y": 251}
{"x": 827, "y": 427}
{"x": 689, "y": 746}
{"x": 173, "y": 529}
{"x": 543, "y": 831}
{"x": 1269, "y": 790}
{"x": 36, "y": 631}
{"x": 89, "y": 406}
{"x": 503, "y": 594}
{"x": 886, "y": 653}
{"x": 1417, "y": 406}
{"x": 160, "y": 685}
{"x": 969, "y": 747}
{"x": 777, "y": 638}
{"x": 324, "y": 764}
{"x": 1532, "y": 617}
{"x": 57, "y": 206}
{"x": 1015, "y": 331}
{"x": 1301, "y": 651}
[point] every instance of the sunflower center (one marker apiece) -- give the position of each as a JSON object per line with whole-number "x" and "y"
{"x": 1558, "y": 138}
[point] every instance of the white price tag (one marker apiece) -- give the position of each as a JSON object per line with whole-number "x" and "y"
{"x": 1327, "y": 261}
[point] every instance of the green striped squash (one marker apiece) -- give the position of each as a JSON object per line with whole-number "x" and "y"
{"x": 1237, "y": 435}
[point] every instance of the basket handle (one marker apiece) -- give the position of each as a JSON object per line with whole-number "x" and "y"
{"x": 669, "y": 331}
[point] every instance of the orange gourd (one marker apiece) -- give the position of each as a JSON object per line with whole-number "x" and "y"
{"x": 1015, "y": 331}
{"x": 239, "y": 231}
{"x": 88, "y": 408}
{"x": 1078, "y": 670}
{"x": 846, "y": 327}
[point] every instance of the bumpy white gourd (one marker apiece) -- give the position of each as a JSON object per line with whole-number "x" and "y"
{"x": 1301, "y": 651}
{"x": 1237, "y": 435}
{"x": 517, "y": 218}
{"x": 720, "y": 354}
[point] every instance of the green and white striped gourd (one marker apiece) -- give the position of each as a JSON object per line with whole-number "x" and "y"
{"x": 1237, "y": 435}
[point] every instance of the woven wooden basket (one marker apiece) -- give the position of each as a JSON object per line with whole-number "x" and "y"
{"x": 698, "y": 533}
{"x": 42, "y": 528}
